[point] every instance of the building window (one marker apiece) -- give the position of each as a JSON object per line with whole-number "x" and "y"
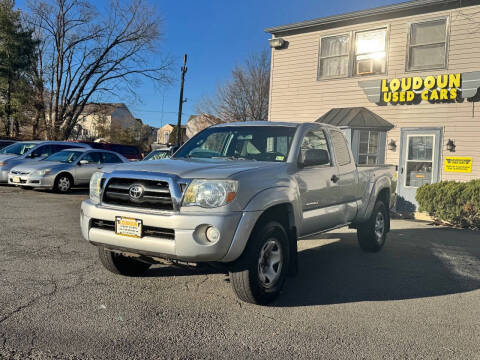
{"x": 368, "y": 147}
{"x": 427, "y": 47}
{"x": 370, "y": 52}
{"x": 334, "y": 56}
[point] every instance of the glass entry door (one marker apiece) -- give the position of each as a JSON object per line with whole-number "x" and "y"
{"x": 419, "y": 164}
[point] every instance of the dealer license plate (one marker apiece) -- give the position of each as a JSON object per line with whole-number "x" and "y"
{"x": 128, "y": 226}
{"x": 16, "y": 179}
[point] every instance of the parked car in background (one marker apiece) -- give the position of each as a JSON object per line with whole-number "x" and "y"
{"x": 64, "y": 169}
{"x": 158, "y": 154}
{"x": 5, "y": 143}
{"x": 130, "y": 152}
{"x": 23, "y": 151}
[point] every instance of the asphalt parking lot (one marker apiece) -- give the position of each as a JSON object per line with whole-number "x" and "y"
{"x": 418, "y": 298}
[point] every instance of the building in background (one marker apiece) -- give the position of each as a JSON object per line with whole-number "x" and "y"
{"x": 197, "y": 123}
{"x": 401, "y": 80}
{"x": 163, "y": 134}
{"x": 99, "y": 120}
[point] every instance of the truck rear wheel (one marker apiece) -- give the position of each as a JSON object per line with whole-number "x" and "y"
{"x": 373, "y": 233}
{"x": 258, "y": 276}
{"x": 122, "y": 265}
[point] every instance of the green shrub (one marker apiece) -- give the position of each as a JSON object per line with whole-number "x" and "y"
{"x": 453, "y": 202}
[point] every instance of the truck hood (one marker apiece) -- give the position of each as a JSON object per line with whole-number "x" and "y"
{"x": 195, "y": 168}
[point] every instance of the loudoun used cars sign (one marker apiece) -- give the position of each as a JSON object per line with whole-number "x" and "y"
{"x": 431, "y": 88}
{"x": 417, "y": 89}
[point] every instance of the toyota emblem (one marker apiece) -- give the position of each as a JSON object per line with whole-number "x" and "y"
{"x": 136, "y": 192}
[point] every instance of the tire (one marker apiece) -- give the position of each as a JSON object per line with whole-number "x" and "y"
{"x": 63, "y": 183}
{"x": 372, "y": 234}
{"x": 121, "y": 265}
{"x": 257, "y": 277}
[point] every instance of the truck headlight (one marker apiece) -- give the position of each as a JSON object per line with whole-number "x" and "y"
{"x": 42, "y": 172}
{"x": 95, "y": 187}
{"x": 210, "y": 193}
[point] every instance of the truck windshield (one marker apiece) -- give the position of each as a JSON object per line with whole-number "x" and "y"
{"x": 17, "y": 148}
{"x": 260, "y": 143}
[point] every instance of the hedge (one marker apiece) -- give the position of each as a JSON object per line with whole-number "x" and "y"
{"x": 457, "y": 203}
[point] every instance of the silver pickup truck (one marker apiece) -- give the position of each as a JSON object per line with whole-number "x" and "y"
{"x": 241, "y": 194}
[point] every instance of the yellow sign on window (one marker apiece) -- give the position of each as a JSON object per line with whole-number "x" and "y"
{"x": 458, "y": 164}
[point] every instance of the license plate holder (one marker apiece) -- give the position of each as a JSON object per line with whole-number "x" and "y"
{"x": 16, "y": 179}
{"x": 126, "y": 226}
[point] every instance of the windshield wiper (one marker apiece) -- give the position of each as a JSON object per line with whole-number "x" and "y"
{"x": 231, "y": 158}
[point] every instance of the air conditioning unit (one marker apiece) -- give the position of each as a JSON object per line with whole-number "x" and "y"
{"x": 365, "y": 67}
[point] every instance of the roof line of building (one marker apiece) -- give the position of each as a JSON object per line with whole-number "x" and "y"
{"x": 358, "y": 16}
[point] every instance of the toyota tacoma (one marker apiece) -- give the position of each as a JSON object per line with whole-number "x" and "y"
{"x": 241, "y": 195}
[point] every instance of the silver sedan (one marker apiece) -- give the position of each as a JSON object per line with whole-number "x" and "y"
{"x": 62, "y": 170}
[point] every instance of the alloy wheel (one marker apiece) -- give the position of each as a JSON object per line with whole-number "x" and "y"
{"x": 379, "y": 226}
{"x": 64, "y": 184}
{"x": 270, "y": 262}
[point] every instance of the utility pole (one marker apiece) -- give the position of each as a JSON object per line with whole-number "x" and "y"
{"x": 181, "y": 101}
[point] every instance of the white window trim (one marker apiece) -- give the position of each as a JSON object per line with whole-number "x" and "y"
{"x": 446, "y": 48}
{"x": 352, "y": 53}
{"x": 348, "y": 55}
{"x": 368, "y": 154}
{"x": 406, "y": 159}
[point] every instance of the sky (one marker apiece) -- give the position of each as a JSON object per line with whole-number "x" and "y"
{"x": 217, "y": 35}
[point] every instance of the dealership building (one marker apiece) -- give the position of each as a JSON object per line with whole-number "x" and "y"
{"x": 402, "y": 81}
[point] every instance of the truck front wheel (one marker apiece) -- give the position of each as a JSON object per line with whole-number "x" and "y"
{"x": 373, "y": 233}
{"x": 258, "y": 276}
{"x": 122, "y": 265}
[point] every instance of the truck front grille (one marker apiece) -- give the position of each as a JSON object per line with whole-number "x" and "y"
{"x": 151, "y": 231}
{"x": 155, "y": 195}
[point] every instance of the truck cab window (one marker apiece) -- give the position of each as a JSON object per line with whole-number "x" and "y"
{"x": 340, "y": 147}
{"x": 315, "y": 140}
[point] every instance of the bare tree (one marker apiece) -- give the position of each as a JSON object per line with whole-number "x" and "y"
{"x": 87, "y": 54}
{"x": 245, "y": 96}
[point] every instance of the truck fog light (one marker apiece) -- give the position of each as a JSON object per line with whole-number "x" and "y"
{"x": 213, "y": 234}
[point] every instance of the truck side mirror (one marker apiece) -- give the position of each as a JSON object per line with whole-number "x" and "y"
{"x": 314, "y": 157}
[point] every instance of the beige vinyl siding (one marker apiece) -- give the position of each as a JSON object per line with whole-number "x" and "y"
{"x": 297, "y": 95}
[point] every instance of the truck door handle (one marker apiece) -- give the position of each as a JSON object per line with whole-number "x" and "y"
{"x": 334, "y": 178}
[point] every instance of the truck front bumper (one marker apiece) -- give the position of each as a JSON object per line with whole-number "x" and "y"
{"x": 189, "y": 242}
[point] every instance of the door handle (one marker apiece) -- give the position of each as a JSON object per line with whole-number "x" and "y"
{"x": 334, "y": 178}
{"x": 401, "y": 171}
